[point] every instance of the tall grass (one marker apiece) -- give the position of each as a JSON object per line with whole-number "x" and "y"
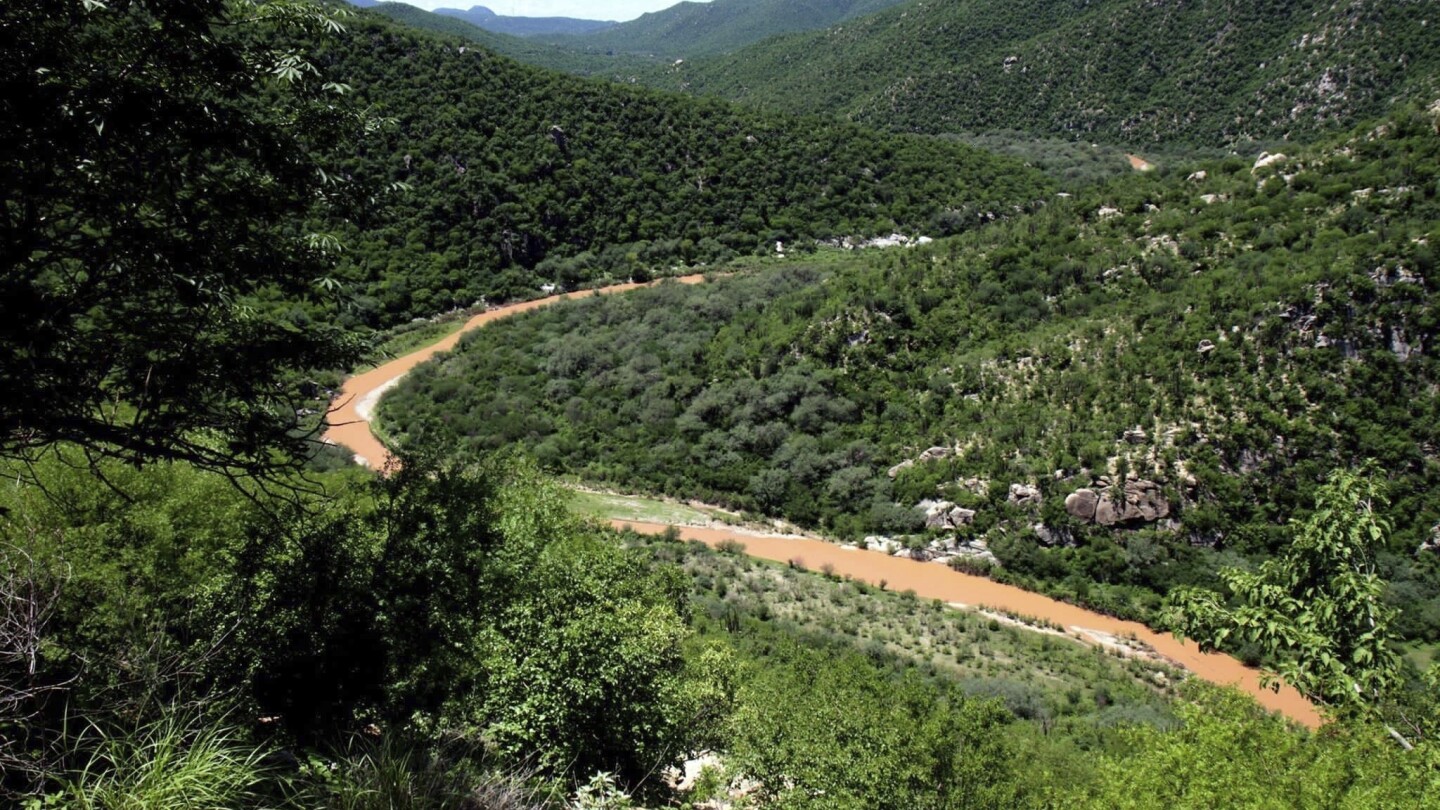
{"x": 392, "y": 775}
{"x": 173, "y": 762}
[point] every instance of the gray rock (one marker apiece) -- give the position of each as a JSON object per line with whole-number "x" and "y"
{"x": 1205, "y": 347}
{"x": 1025, "y": 495}
{"x": 898, "y": 468}
{"x": 1052, "y": 537}
{"x": 935, "y": 453}
{"x": 1142, "y": 502}
{"x": 1082, "y": 503}
{"x": 937, "y": 514}
{"x": 1107, "y": 513}
{"x": 960, "y": 517}
{"x": 1136, "y": 435}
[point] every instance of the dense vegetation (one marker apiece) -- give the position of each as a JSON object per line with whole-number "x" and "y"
{"x": 717, "y": 26}
{"x": 1229, "y": 337}
{"x": 517, "y": 177}
{"x": 1210, "y": 73}
{"x": 616, "y": 67}
{"x": 189, "y": 620}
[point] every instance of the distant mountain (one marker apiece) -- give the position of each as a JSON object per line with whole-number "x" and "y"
{"x": 532, "y": 52}
{"x": 525, "y": 26}
{"x": 693, "y": 29}
{"x": 1204, "y": 72}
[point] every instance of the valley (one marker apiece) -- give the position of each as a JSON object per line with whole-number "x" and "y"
{"x": 353, "y": 430}
{"x": 743, "y": 405}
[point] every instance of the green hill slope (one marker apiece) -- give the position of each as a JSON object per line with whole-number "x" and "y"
{"x": 1208, "y": 73}
{"x": 523, "y": 26}
{"x": 718, "y": 26}
{"x": 516, "y": 177}
{"x": 1196, "y": 353}
{"x": 532, "y": 52}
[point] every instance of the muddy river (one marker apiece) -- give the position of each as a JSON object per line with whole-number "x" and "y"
{"x": 355, "y": 405}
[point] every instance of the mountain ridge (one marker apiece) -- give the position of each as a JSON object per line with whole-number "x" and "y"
{"x": 1212, "y": 73}
{"x": 691, "y": 29}
{"x": 521, "y": 26}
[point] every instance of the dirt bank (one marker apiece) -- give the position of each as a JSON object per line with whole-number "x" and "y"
{"x": 1140, "y": 164}
{"x": 355, "y": 404}
{"x": 928, "y": 580}
{"x": 937, "y": 581}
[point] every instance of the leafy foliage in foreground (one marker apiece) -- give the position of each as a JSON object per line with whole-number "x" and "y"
{"x": 1259, "y": 326}
{"x": 444, "y": 599}
{"x": 150, "y": 217}
{"x": 1317, "y": 609}
{"x": 1210, "y": 73}
{"x": 1227, "y": 754}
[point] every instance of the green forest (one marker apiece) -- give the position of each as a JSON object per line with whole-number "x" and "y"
{"x": 1206, "y": 74}
{"x": 213, "y": 210}
{"x": 510, "y": 177}
{"x": 720, "y": 26}
{"x": 1228, "y": 334}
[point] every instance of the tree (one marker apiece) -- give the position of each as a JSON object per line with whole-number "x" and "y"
{"x": 1316, "y": 611}
{"x": 153, "y": 169}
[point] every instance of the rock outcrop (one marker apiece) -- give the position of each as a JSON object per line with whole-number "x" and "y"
{"x": 1050, "y": 536}
{"x": 1081, "y": 504}
{"x": 1138, "y": 502}
{"x": 1025, "y": 495}
{"x": 945, "y": 515}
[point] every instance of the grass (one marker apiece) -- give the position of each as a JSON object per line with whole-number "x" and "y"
{"x": 402, "y": 340}
{"x": 1035, "y": 673}
{"x": 1423, "y": 656}
{"x": 606, "y": 506}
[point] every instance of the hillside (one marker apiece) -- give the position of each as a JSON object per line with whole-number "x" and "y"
{"x": 718, "y": 26}
{"x": 515, "y": 177}
{"x": 524, "y": 26}
{"x": 205, "y": 206}
{"x": 1207, "y": 73}
{"x": 619, "y": 68}
{"x": 1185, "y": 354}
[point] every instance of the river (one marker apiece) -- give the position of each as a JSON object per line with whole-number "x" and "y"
{"x": 355, "y": 404}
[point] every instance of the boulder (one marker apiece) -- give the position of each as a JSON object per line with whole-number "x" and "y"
{"x": 1051, "y": 537}
{"x": 935, "y": 454}
{"x": 1138, "y": 502}
{"x": 1136, "y": 436}
{"x": 960, "y": 517}
{"x": 1025, "y": 495}
{"x": 1107, "y": 513}
{"x": 1198, "y": 176}
{"x": 1205, "y": 347}
{"x": 937, "y": 514}
{"x": 1267, "y": 159}
{"x": 898, "y": 468}
{"x": 1145, "y": 501}
{"x": 1082, "y": 504}
{"x": 975, "y": 486}
{"x": 945, "y": 515}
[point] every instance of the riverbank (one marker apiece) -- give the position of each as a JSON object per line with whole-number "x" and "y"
{"x": 351, "y": 428}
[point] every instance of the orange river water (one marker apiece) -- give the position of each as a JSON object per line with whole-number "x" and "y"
{"x": 929, "y": 580}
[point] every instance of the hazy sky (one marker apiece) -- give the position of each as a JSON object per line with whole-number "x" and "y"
{"x": 584, "y": 9}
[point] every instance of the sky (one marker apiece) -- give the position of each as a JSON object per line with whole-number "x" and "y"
{"x": 619, "y": 10}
